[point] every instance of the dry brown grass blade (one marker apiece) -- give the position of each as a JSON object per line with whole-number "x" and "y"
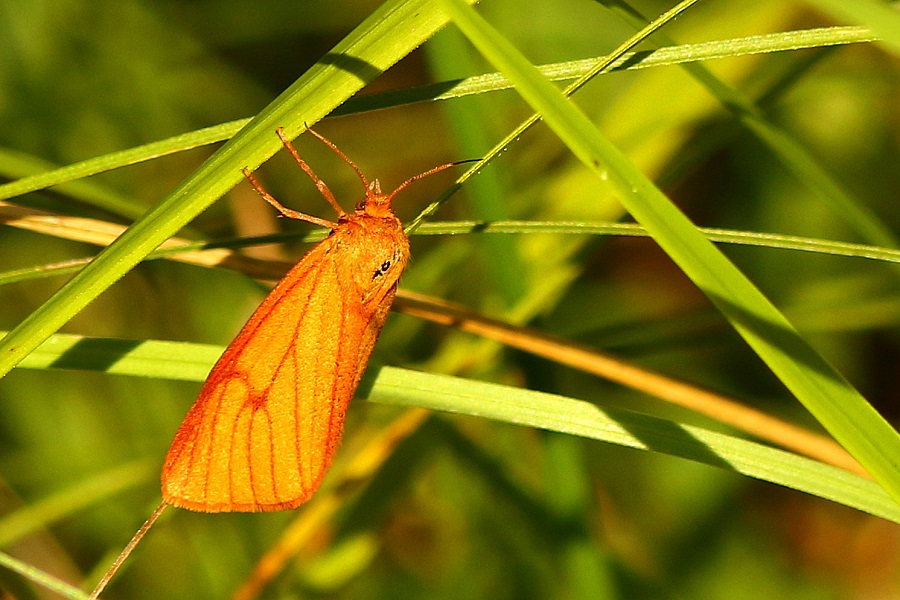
{"x": 717, "y": 406}
{"x": 313, "y": 517}
{"x": 102, "y": 233}
{"x": 587, "y": 359}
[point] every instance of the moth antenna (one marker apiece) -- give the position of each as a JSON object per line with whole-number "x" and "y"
{"x": 123, "y": 555}
{"x": 287, "y": 212}
{"x": 406, "y": 183}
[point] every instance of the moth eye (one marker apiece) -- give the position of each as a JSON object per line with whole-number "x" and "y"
{"x": 381, "y": 270}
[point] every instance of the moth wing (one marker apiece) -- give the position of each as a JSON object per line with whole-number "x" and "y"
{"x": 264, "y": 429}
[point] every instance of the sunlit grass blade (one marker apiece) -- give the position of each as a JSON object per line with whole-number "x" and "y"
{"x": 191, "y": 362}
{"x": 15, "y": 165}
{"x": 70, "y": 173}
{"x": 450, "y": 53}
{"x": 42, "y": 513}
{"x": 881, "y": 17}
{"x": 30, "y": 174}
{"x": 825, "y": 393}
{"x": 218, "y": 253}
{"x": 567, "y": 415}
{"x": 215, "y": 253}
{"x": 611, "y": 368}
{"x": 316, "y": 515}
{"x": 386, "y": 36}
{"x": 148, "y": 358}
{"x": 42, "y": 578}
{"x": 783, "y": 146}
{"x": 713, "y": 234}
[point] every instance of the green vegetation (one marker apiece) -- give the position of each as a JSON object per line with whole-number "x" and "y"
{"x": 772, "y": 127}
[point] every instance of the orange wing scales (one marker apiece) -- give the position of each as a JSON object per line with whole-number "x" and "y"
{"x": 269, "y": 418}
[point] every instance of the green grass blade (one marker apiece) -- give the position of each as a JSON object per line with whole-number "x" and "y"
{"x": 180, "y": 361}
{"x": 17, "y": 164}
{"x": 31, "y": 174}
{"x": 783, "y": 146}
{"x": 449, "y": 54}
{"x": 21, "y": 522}
{"x": 385, "y": 37}
{"x": 43, "y": 578}
{"x": 713, "y": 234}
{"x": 824, "y": 392}
{"x": 191, "y": 362}
{"x": 267, "y": 270}
{"x": 576, "y": 417}
{"x": 106, "y": 162}
{"x": 881, "y": 17}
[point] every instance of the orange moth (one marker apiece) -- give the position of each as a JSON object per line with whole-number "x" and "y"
{"x": 269, "y": 418}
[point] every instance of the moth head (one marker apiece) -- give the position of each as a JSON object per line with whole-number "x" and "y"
{"x": 375, "y": 203}
{"x": 378, "y": 204}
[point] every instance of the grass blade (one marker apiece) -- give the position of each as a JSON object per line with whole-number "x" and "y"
{"x": 567, "y": 415}
{"x": 191, "y": 362}
{"x": 824, "y": 392}
{"x": 363, "y": 55}
{"x": 881, "y": 17}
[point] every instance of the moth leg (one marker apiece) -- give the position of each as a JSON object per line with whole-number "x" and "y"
{"x": 287, "y": 212}
{"x": 320, "y": 185}
{"x": 343, "y": 156}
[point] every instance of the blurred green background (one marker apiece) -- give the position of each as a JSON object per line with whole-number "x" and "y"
{"x": 466, "y": 508}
